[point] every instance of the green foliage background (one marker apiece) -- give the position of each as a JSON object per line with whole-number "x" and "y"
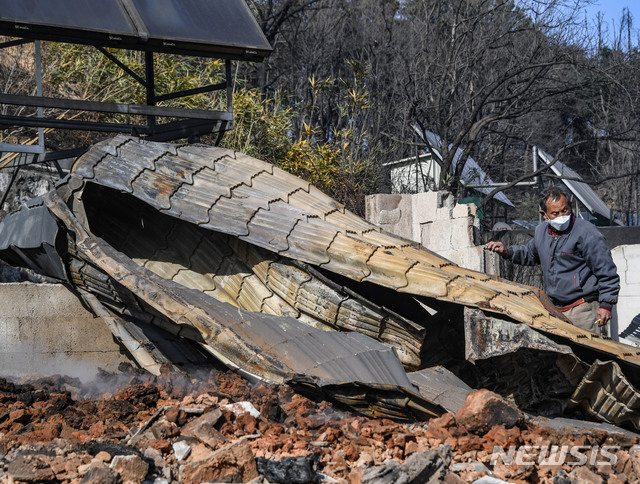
{"x": 345, "y": 165}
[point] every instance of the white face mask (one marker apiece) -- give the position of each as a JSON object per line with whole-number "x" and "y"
{"x": 560, "y": 223}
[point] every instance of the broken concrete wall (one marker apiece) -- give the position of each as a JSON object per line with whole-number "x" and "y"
{"x": 627, "y": 259}
{"x": 45, "y": 327}
{"x": 434, "y": 220}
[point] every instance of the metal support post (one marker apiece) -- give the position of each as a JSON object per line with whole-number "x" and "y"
{"x": 38, "y": 53}
{"x": 151, "y": 88}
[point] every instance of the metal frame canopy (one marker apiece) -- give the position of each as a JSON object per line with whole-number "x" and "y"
{"x": 223, "y": 29}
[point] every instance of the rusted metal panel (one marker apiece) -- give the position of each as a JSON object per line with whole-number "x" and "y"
{"x": 207, "y": 155}
{"x": 246, "y": 276}
{"x": 487, "y": 337}
{"x": 606, "y": 394}
{"x": 350, "y": 222}
{"x": 272, "y": 226}
{"x": 563, "y": 424}
{"x": 441, "y": 386}
{"x": 262, "y": 345}
{"x": 350, "y": 255}
{"x": 388, "y": 268}
{"x": 371, "y": 399}
{"x": 277, "y": 186}
{"x": 230, "y": 217}
{"x": 309, "y": 241}
{"x": 514, "y": 360}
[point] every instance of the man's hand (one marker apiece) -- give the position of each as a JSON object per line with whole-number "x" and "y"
{"x": 604, "y": 315}
{"x": 497, "y": 247}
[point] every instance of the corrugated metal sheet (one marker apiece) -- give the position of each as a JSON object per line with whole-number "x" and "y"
{"x": 487, "y": 337}
{"x": 305, "y": 224}
{"x": 513, "y": 359}
{"x": 441, "y": 386}
{"x": 242, "y": 274}
{"x": 29, "y": 227}
{"x": 563, "y": 424}
{"x": 606, "y": 394}
{"x": 264, "y": 346}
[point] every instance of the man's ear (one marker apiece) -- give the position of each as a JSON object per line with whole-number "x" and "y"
{"x": 542, "y": 212}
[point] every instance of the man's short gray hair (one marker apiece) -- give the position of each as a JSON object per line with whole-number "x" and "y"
{"x": 554, "y": 194}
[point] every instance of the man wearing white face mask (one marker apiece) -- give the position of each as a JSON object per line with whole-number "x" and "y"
{"x": 579, "y": 273}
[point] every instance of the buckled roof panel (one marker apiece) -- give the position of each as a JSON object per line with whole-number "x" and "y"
{"x": 220, "y": 28}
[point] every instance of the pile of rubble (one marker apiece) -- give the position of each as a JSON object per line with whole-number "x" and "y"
{"x": 220, "y": 428}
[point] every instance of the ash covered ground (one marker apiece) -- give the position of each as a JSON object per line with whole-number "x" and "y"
{"x": 130, "y": 426}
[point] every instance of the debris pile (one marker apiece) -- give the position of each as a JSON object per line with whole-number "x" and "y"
{"x": 221, "y": 428}
{"x": 194, "y": 254}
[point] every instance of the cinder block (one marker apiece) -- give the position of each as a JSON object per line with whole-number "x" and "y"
{"x": 439, "y": 236}
{"x": 423, "y": 207}
{"x": 391, "y": 212}
{"x": 627, "y": 289}
{"x": 425, "y": 235}
{"x": 464, "y": 258}
{"x": 633, "y": 276}
{"x": 389, "y": 217}
{"x": 469, "y": 258}
{"x": 619, "y": 260}
{"x": 628, "y": 307}
{"x": 632, "y": 252}
{"x": 455, "y": 256}
{"x": 446, "y": 200}
{"x": 461, "y": 233}
{"x": 464, "y": 210}
{"x": 491, "y": 262}
{"x": 443, "y": 213}
{"x": 383, "y": 201}
{"x": 475, "y": 259}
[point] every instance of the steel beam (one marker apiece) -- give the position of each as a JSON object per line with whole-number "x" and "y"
{"x": 12, "y": 147}
{"x": 104, "y": 107}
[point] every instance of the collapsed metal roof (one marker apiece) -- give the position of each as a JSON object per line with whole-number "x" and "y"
{"x": 224, "y": 28}
{"x": 280, "y": 282}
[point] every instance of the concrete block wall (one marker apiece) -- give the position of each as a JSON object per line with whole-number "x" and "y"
{"x": 391, "y": 212}
{"x": 627, "y": 260}
{"x": 45, "y": 330}
{"x": 432, "y": 219}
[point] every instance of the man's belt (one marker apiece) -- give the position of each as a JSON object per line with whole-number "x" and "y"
{"x": 589, "y": 298}
{"x": 563, "y": 309}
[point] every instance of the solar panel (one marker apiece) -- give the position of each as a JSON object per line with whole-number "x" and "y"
{"x": 210, "y": 28}
{"x": 581, "y": 190}
{"x": 222, "y": 22}
{"x": 103, "y": 16}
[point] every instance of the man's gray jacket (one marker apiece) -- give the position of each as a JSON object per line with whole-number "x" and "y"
{"x": 576, "y": 263}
